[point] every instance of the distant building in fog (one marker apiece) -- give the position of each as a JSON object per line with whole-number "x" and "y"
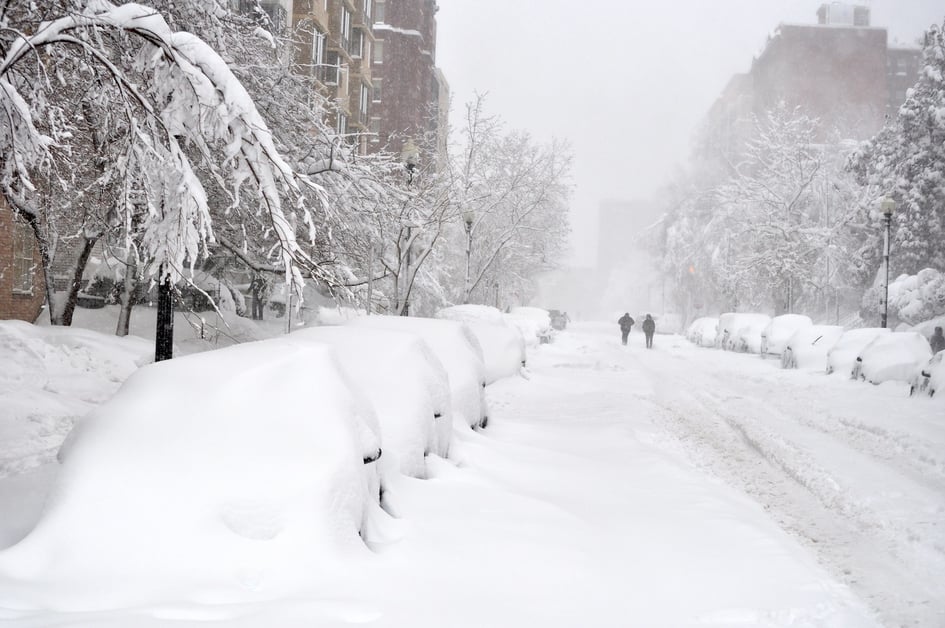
{"x": 840, "y": 70}
{"x": 620, "y": 225}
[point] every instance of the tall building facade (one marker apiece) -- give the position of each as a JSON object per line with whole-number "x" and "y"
{"x": 840, "y": 70}
{"x": 410, "y": 97}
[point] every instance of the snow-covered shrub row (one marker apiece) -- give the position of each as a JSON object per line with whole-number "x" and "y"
{"x": 912, "y": 298}
{"x": 774, "y": 337}
{"x": 503, "y": 347}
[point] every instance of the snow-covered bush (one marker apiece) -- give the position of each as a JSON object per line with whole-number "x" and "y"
{"x": 912, "y": 298}
{"x": 503, "y": 347}
{"x": 406, "y": 384}
{"x": 703, "y": 331}
{"x": 533, "y": 322}
{"x": 227, "y": 475}
{"x": 892, "y": 357}
{"x": 842, "y": 356}
{"x": 779, "y": 331}
{"x": 807, "y": 348}
{"x": 459, "y": 352}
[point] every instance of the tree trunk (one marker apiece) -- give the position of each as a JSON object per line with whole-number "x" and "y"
{"x": 129, "y": 286}
{"x": 72, "y": 296}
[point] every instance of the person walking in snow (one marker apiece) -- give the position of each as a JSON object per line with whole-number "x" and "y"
{"x": 937, "y": 341}
{"x": 626, "y": 324}
{"x": 649, "y": 328}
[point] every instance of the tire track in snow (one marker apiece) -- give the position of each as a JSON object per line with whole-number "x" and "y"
{"x": 849, "y": 537}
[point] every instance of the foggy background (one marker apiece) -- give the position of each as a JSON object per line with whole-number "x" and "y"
{"x": 626, "y": 83}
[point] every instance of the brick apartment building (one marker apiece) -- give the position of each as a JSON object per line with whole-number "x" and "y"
{"x": 22, "y": 291}
{"x": 411, "y": 97}
{"x": 840, "y": 70}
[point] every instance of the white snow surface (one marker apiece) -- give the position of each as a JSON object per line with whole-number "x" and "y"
{"x": 459, "y": 352}
{"x": 775, "y": 336}
{"x": 406, "y": 384}
{"x": 808, "y": 346}
{"x": 842, "y": 356}
{"x": 893, "y": 357}
{"x": 533, "y": 322}
{"x": 677, "y": 487}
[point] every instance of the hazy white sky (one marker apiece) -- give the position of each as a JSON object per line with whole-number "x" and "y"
{"x": 626, "y": 82}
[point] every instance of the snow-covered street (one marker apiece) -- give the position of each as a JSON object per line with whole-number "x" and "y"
{"x": 625, "y": 487}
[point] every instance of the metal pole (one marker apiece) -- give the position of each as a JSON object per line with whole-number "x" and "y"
{"x": 164, "y": 334}
{"x": 406, "y": 310}
{"x": 370, "y": 281}
{"x": 468, "y": 256}
{"x": 886, "y": 264}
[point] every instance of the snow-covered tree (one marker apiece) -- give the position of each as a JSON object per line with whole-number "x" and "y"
{"x": 906, "y": 161}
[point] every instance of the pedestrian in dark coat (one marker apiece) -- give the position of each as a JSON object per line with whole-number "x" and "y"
{"x": 626, "y": 324}
{"x": 937, "y": 341}
{"x": 649, "y": 328}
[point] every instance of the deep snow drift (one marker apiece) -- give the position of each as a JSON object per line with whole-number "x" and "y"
{"x": 618, "y": 486}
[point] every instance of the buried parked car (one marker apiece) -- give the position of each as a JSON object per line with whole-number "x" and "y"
{"x": 503, "y": 348}
{"x": 808, "y": 346}
{"x": 703, "y": 331}
{"x": 892, "y": 357}
{"x": 534, "y": 323}
{"x": 930, "y": 377}
{"x": 842, "y": 356}
{"x": 455, "y": 345}
{"x": 230, "y": 473}
{"x": 775, "y": 336}
{"x": 744, "y": 332}
{"x": 404, "y": 381}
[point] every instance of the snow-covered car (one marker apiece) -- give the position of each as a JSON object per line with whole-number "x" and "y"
{"x": 842, "y": 356}
{"x": 930, "y": 377}
{"x": 235, "y": 468}
{"x": 458, "y": 350}
{"x": 534, "y": 323}
{"x": 703, "y": 331}
{"x": 892, "y": 357}
{"x": 742, "y": 332}
{"x": 404, "y": 381}
{"x": 503, "y": 347}
{"x": 774, "y": 337}
{"x": 807, "y": 348}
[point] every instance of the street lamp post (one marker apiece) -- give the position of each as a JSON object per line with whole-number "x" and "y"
{"x": 410, "y": 155}
{"x": 888, "y": 207}
{"x": 469, "y": 218}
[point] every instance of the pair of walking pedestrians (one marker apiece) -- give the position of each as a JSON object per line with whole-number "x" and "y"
{"x": 626, "y": 323}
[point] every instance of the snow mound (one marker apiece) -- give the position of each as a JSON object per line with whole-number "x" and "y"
{"x": 930, "y": 377}
{"x": 842, "y": 356}
{"x": 741, "y": 331}
{"x": 470, "y": 313}
{"x": 406, "y": 384}
{"x": 459, "y": 352}
{"x": 892, "y": 357}
{"x": 251, "y": 484}
{"x": 776, "y": 335}
{"x": 807, "y": 348}
{"x": 703, "y": 331}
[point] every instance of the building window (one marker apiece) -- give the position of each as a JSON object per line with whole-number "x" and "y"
{"x": 379, "y": 52}
{"x": 356, "y": 49}
{"x": 367, "y": 11}
{"x": 345, "y": 28}
{"x": 380, "y": 12}
{"x": 365, "y": 101}
{"x": 342, "y": 126}
{"x": 328, "y": 73}
{"x": 318, "y": 49}
{"x": 23, "y": 266}
{"x": 377, "y": 89}
{"x": 375, "y": 128}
